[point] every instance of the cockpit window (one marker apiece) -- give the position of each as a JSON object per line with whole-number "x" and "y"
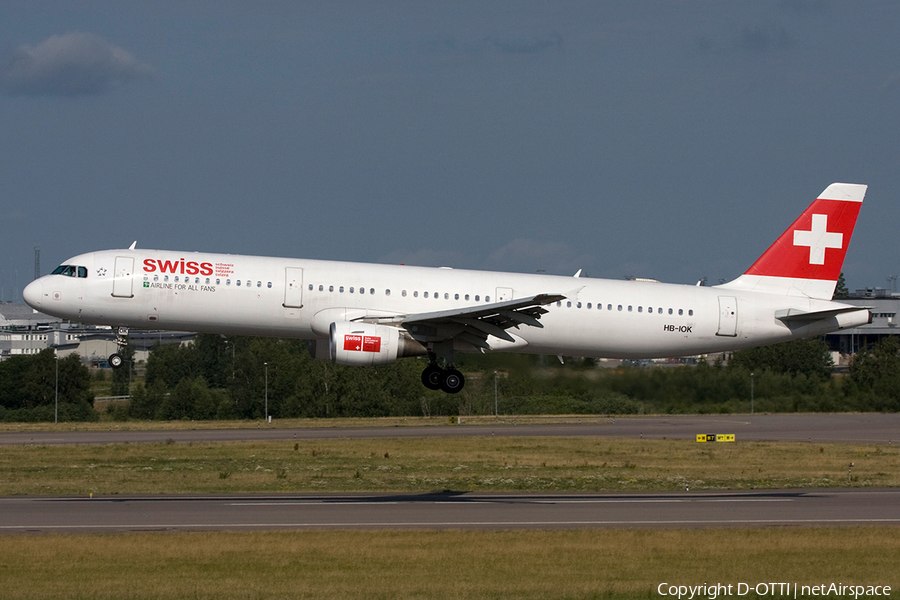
{"x": 70, "y": 271}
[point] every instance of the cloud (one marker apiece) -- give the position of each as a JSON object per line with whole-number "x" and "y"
{"x": 764, "y": 37}
{"x": 537, "y": 256}
{"x": 493, "y": 45}
{"x": 425, "y": 257}
{"x": 71, "y": 64}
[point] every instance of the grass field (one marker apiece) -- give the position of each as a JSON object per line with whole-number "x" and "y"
{"x": 439, "y": 564}
{"x": 482, "y": 464}
{"x": 450, "y": 564}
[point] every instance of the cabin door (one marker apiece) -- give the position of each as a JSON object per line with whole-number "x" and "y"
{"x": 123, "y": 277}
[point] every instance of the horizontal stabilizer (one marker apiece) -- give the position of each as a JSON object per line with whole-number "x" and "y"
{"x": 794, "y": 315}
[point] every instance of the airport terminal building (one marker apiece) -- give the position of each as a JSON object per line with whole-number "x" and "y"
{"x": 26, "y": 331}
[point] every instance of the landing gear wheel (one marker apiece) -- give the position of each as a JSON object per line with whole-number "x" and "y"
{"x": 432, "y": 376}
{"x": 115, "y": 360}
{"x": 453, "y": 381}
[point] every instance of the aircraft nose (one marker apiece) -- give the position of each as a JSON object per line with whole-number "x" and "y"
{"x": 33, "y": 294}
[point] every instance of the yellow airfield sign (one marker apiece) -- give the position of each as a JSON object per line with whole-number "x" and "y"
{"x": 715, "y": 437}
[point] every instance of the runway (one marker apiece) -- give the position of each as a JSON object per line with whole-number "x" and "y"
{"x": 875, "y": 428}
{"x": 822, "y": 507}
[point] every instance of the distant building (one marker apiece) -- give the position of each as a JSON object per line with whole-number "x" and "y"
{"x": 26, "y": 331}
{"x": 884, "y": 306}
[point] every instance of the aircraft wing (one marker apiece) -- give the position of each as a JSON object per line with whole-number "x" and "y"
{"x": 473, "y": 324}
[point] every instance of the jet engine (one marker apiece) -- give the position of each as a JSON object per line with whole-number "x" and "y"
{"x": 367, "y": 344}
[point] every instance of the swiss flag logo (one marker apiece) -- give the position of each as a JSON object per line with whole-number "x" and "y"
{"x": 813, "y": 247}
{"x": 353, "y": 342}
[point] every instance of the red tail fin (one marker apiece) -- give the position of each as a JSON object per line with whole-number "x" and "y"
{"x": 808, "y": 257}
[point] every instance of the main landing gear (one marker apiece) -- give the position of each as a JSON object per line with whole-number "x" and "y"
{"x": 449, "y": 380}
{"x": 116, "y": 360}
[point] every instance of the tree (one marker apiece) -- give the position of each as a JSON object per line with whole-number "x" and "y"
{"x": 840, "y": 290}
{"x": 121, "y": 377}
{"x": 877, "y": 373}
{"x": 810, "y": 357}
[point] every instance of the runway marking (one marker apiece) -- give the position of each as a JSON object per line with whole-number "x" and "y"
{"x": 332, "y": 503}
{"x": 314, "y": 503}
{"x": 220, "y": 526}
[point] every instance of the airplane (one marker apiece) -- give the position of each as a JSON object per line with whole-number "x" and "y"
{"x": 370, "y": 314}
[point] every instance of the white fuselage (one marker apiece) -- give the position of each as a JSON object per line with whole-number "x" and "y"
{"x": 280, "y": 297}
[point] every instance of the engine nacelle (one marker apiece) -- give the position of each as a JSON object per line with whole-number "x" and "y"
{"x": 364, "y": 344}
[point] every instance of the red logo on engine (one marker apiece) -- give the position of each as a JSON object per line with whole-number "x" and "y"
{"x": 353, "y": 342}
{"x": 371, "y": 344}
{"x": 362, "y": 343}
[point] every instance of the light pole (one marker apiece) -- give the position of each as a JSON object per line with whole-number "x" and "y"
{"x": 56, "y": 408}
{"x": 495, "y": 394}
{"x": 266, "y": 365}
{"x": 751, "y": 392}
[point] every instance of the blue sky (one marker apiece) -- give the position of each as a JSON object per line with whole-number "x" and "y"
{"x": 650, "y": 139}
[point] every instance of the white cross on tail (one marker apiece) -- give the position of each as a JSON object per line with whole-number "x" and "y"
{"x": 818, "y": 239}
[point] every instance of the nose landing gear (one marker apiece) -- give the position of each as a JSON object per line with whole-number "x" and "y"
{"x": 116, "y": 360}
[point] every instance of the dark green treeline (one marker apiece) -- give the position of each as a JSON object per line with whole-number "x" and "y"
{"x": 247, "y": 378}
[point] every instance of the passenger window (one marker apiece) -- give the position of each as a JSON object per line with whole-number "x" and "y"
{"x": 387, "y": 292}
{"x": 227, "y": 282}
{"x": 691, "y": 312}
{"x": 362, "y": 290}
{"x": 589, "y": 305}
{"x": 446, "y": 296}
{"x": 456, "y": 296}
{"x": 372, "y": 291}
{"x": 351, "y": 290}
{"x": 156, "y": 278}
{"x": 609, "y": 307}
{"x": 321, "y": 288}
{"x": 403, "y": 293}
{"x": 310, "y": 286}
{"x": 477, "y": 298}
{"x": 559, "y": 302}
{"x": 569, "y": 304}
{"x": 640, "y": 308}
{"x": 165, "y": 277}
{"x": 176, "y": 279}
{"x": 680, "y": 312}
{"x": 578, "y": 305}
{"x": 467, "y": 297}
{"x": 629, "y": 308}
{"x": 330, "y": 287}
{"x": 416, "y": 294}
{"x": 425, "y": 295}
{"x": 218, "y": 281}
{"x": 249, "y": 283}
{"x": 620, "y": 307}
{"x": 269, "y": 284}
{"x": 670, "y": 311}
{"x": 207, "y": 281}
{"x": 341, "y": 289}
{"x": 259, "y": 284}
{"x": 487, "y": 298}
{"x": 238, "y": 283}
